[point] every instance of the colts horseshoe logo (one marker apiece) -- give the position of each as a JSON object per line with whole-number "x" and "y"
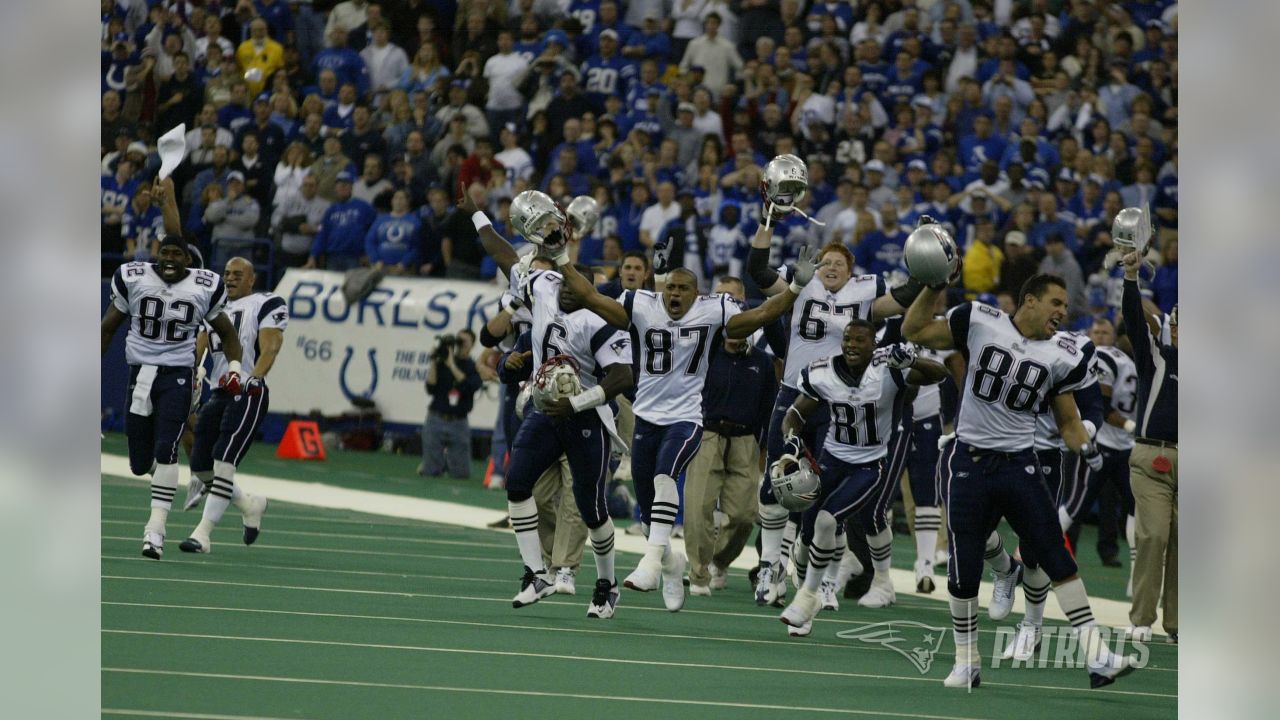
{"x": 373, "y": 367}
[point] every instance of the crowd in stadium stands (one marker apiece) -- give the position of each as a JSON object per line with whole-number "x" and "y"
{"x": 341, "y": 133}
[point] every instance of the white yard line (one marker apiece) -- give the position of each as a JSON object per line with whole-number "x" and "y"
{"x": 1111, "y": 613}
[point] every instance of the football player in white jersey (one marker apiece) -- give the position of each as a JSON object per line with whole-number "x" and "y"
{"x": 1015, "y": 365}
{"x": 862, "y": 389}
{"x": 825, "y": 305}
{"x": 580, "y": 427}
{"x": 674, "y": 330}
{"x": 166, "y": 304}
{"x": 229, "y": 421}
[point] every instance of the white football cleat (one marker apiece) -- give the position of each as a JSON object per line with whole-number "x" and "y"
{"x": 802, "y": 631}
{"x": 646, "y": 576}
{"x": 924, "y": 576}
{"x": 1111, "y": 668}
{"x": 533, "y": 587}
{"x": 802, "y": 609}
{"x": 719, "y": 577}
{"x": 699, "y": 590}
{"x": 942, "y": 557}
{"x": 850, "y": 566}
{"x": 196, "y": 544}
{"x": 251, "y": 517}
{"x": 764, "y": 581}
{"x": 564, "y": 582}
{"x": 152, "y": 545}
{"x": 196, "y": 491}
{"x": 964, "y": 675}
{"x": 827, "y": 592}
{"x": 881, "y": 593}
{"x": 1002, "y": 593}
{"x": 1025, "y": 643}
{"x": 673, "y": 580}
{"x": 604, "y": 600}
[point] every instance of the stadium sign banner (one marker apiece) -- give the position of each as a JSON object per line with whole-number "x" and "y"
{"x": 378, "y": 348}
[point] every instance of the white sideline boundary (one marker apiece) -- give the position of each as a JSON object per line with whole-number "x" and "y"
{"x": 1112, "y": 613}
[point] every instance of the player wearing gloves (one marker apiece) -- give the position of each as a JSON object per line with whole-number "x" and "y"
{"x": 229, "y": 421}
{"x": 862, "y": 387}
{"x": 823, "y": 308}
{"x": 675, "y": 329}
{"x": 166, "y": 303}
{"x": 582, "y": 364}
{"x": 1016, "y": 365}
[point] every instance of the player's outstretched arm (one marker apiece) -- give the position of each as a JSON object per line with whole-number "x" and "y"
{"x": 926, "y": 372}
{"x": 919, "y": 325}
{"x": 111, "y": 322}
{"x": 747, "y": 322}
{"x": 793, "y": 421}
{"x": 494, "y": 244}
{"x": 162, "y": 193}
{"x": 607, "y": 308}
{"x": 270, "y": 341}
{"x": 765, "y": 277}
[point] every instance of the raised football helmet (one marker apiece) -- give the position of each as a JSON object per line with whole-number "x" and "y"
{"x": 784, "y": 183}
{"x": 583, "y": 213}
{"x": 538, "y": 218}
{"x": 557, "y": 377}
{"x": 931, "y": 255}
{"x": 1131, "y": 230}
{"x": 795, "y": 482}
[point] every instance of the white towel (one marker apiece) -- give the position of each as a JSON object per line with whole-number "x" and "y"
{"x": 606, "y": 416}
{"x": 141, "y": 404}
{"x": 173, "y": 148}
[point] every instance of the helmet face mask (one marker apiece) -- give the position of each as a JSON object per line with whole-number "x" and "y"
{"x": 556, "y": 378}
{"x": 1131, "y": 230}
{"x": 795, "y": 482}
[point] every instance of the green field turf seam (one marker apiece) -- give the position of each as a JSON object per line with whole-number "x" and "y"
{"x": 532, "y": 693}
{"x": 349, "y": 551}
{"x": 179, "y": 715}
{"x": 619, "y": 661}
{"x": 374, "y": 538}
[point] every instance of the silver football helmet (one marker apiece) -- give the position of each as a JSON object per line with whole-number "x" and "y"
{"x": 537, "y": 217}
{"x": 583, "y": 214}
{"x": 784, "y": 182}
{"x": 930, "y": 254}
{"x": 795, "y": 482}
{"x": 556, "y": 378}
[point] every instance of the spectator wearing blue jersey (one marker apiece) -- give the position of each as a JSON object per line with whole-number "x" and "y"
{"x": 236, "y": 113}
{"x": 340, "y": 243}
{"x": 606, "y": 73}
{"x": 608, "y": 20}
{"x": 393, "y": 240}
{"x": 345, "y": 63}
{"x": 117, "y": 191}
{"x": 880, "y": 251}
{"x": 1164, "y": 286}
{"x": 1049, "y": 223}
{"x": 340, "y": 117}
{"x": 141, "y": 225}
{"x": 649, "y": 42}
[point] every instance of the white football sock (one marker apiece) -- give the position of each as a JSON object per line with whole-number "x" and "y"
{"x": 1074, "y": 602}
{"x": 995, "y": 556}
{"x": 662, "y": 516}
{"x": 602, "y": 545}
{"x": 220, "y": 492}
{"x": 773, "y": 523}
{"x": 928, "y": 521}
{"x": 1035, "y": 589}
{"x": 881, "y": 546}
{"x": 833, "y": 568}
{"x": 964, "y": 623}
{"x": 1064, "y": 518}
{"x": 524, "y": 520}
{"x": 788, "y": 542}
{"x": 164, "y": 483}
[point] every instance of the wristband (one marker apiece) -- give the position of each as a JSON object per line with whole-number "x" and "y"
{"x": 1090, "y": 428}
{"x": 1130, "y": 426}
{"x": 234, "y": 367}
{"x": 662, "y": 278}
{"x": 480, "y": 220}
{"x": 796, "y": 288}
{"x": 588, "y": 399}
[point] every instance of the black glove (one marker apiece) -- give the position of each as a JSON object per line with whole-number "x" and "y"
{"x": 661, "y": 258}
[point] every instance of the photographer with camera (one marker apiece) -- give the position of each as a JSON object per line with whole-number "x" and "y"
{"x": 452, "y": 382}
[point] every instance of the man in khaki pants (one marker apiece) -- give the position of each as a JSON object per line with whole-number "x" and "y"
{"x": 737, "y": 401}
{"x": 561, "y": 530}
{"x": 1153, "y": 465}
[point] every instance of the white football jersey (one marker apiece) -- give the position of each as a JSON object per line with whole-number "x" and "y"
{"x": 928, "y": 402}
{"x": 249, "y": 314}
{"x": 819, "y": 318}
{"x": 1047, "y": 436}
{"x": 581, "y": 334}
{"x": 1008, "y": 377}
{"x": 674, "y": 354}
{"x": 1117, "y": 370}
{"x": 165, "y": 319}
{"x": 863, "y": 416}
